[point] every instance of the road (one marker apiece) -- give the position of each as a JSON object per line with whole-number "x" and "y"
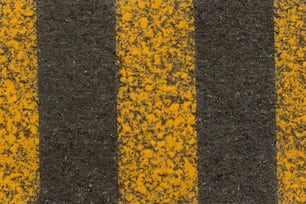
{"x": 139, "y": 101}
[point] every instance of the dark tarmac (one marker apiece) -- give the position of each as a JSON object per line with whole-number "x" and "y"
{"x": 235, "y": 101}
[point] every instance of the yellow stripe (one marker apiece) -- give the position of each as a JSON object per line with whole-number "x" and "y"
{"x": 290, "y": 49}
{"x": 156, "y": 101}
{"x": 19, "y": 179}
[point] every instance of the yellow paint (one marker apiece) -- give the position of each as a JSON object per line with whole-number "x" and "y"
{"x": 19, "y": 178}
{"x": 290, "y": 49}
{"x": 156, "y": 101}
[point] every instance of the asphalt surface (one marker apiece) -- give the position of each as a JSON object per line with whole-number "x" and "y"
{"x": 235, "y": 101}
{"x": 77, "y": 93}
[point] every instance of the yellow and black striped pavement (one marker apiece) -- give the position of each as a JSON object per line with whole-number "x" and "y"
{"x": 152, "y": 101}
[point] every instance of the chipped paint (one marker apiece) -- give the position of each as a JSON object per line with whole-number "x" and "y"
{"x": 19, "y": 179}
{"x": 290, "y": 49}
{"x": 156, "y": 101}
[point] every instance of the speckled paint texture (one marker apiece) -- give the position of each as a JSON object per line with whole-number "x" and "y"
{"x": 156, "y": 101}
{"x": 19, "y": 179}
{"x": 290, "y": 49}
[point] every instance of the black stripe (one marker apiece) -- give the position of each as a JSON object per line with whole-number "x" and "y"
{"x": 77, "y": 93}
{"x": 235, "y": 101}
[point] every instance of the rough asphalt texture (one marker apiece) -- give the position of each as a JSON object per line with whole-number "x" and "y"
{"x": 235, "y": 101}
{"x": 77, "y": 91}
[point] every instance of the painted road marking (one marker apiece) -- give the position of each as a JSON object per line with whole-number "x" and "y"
{"x": 19, "y": 178}
{"x": 156, "y": 101}
{"x": 290, "y": 49}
